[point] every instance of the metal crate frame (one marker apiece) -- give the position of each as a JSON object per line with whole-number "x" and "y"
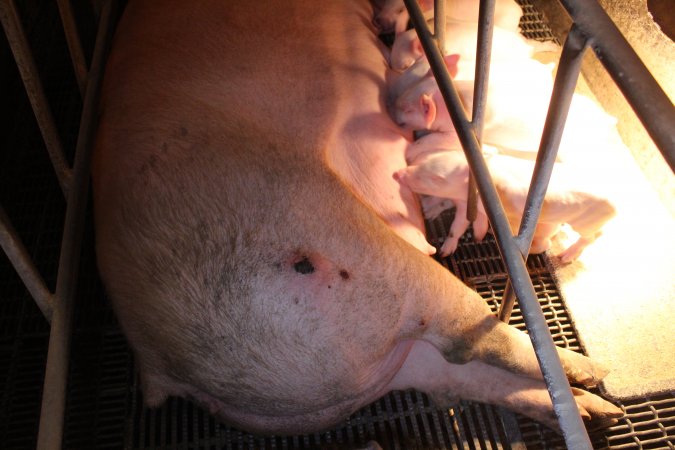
{"x": 591, "y": 27}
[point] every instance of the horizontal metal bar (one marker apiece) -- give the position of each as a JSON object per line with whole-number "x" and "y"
{"x": 23, "y": 264}
{"x": 74, "y": 44}
{"x": 18, "y": 42}
{"x": 50, "y": 434}
{"x": 642, "y": 91}
{"x": 561, "y": 395}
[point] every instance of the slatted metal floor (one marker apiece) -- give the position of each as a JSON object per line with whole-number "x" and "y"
{"x": 104, "y": 405}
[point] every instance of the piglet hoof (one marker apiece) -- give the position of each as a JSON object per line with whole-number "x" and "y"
{"x": 449, "y": 247}
{"x": 581, "y": 369}
{"x": 596, "y": 412}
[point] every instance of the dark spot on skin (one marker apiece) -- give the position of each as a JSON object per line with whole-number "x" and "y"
{"x": 329, "y": 286}
{"x": 422, "y": 322}
{"x": 296, "y": 300}
{"x": 344, "y": 275}
{"x": 304, "y": 266}
{"x": 183, "y": 131}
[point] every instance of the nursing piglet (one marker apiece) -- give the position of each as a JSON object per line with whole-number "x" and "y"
{"x": 460, "y": 39}
{"x": 516, "y": 107}
{"x": 445, "y": 173}
{"x": 259, "y": 254}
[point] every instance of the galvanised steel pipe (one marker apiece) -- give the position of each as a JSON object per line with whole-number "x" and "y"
{"x": 486, "y": 14}
{"x": 23, "y": 264}
{"x": 566, "y": 79}
{"x": 50, "y": 434}
{"x": 564, "y": 405}
{"x": 439, "y": 24}
{"x": 18, "y": 42}
{"x": 642, "y": 91}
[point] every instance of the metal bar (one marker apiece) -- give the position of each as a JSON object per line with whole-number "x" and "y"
{"x": 50, "y": 435}
{"x": 561, "y": 395}
{"x": 566, "y": 79}
{"x": 439, "y": 24}
{"x": 486, "y": 14}
{"x": 642, "y": 91}
{"x": 74, "y": 44}
{"x": 23, "y": 264}
{"x": 18, "y": 42}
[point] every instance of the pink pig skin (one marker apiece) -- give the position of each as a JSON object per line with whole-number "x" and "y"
{"x": 438, "y": 167}
{"x": 260, "y": 256}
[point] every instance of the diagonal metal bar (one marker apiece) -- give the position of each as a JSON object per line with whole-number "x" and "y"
{"x": 18, "y": 42}
{"x": 74, "y": 44}
{"x": 50, "y": 434}
{"x": 642, "y": 91}
{"x": 23, "y": 264}
{"x": 561, "y": 395}
{"x": 566, "y": 79}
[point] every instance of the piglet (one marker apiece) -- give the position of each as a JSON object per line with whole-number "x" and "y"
{"x": 460, "y": 38}
{"x": 392, "y": 15}
{"x": 445, "y": 173}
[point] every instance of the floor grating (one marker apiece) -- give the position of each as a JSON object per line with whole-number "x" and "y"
{"x": 104, "y": 405}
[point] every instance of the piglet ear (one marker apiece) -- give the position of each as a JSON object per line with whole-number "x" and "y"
{"x": 428, "y": 109}
{"x": 451, "y": 63}
{"x": 416, "y": 48}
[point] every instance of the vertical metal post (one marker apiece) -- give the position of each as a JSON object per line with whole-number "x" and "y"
{"x": 561, "y": 395}
{"x": 439, "y": 24}
{"x": 486, "y": 15}
{"x": 50, "y": 435}
{"x": 563, "y": 90}
{"x": 18, "y": 42}
{"x": 23, "y": 264}
{"x": 74, "y": 44}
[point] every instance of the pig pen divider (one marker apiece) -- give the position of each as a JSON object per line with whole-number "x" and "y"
{"x": 58, "y": 307}
{"x": 591, "y": 27}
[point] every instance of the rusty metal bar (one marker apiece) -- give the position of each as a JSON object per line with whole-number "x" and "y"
{"x": 561, "y": 395}
{"x": 642, "y": 91}
{"x": 23, "y": 264}
{"x": 74, "y": 44}
{"x": 566, "y": 79}
{"x": 18, "y": 42}
{"x": 50, "y": 435}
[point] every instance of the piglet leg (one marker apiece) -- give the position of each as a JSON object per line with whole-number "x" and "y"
{"x": 459, "y": 225}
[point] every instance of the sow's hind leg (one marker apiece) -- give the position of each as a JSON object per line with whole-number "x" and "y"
{"x": 468, "y": 331}
{"x": 466, "y": 352}
{"x": 426, "y": 370}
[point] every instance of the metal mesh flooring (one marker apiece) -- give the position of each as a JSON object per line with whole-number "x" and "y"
{"x": 104, "y": 406}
